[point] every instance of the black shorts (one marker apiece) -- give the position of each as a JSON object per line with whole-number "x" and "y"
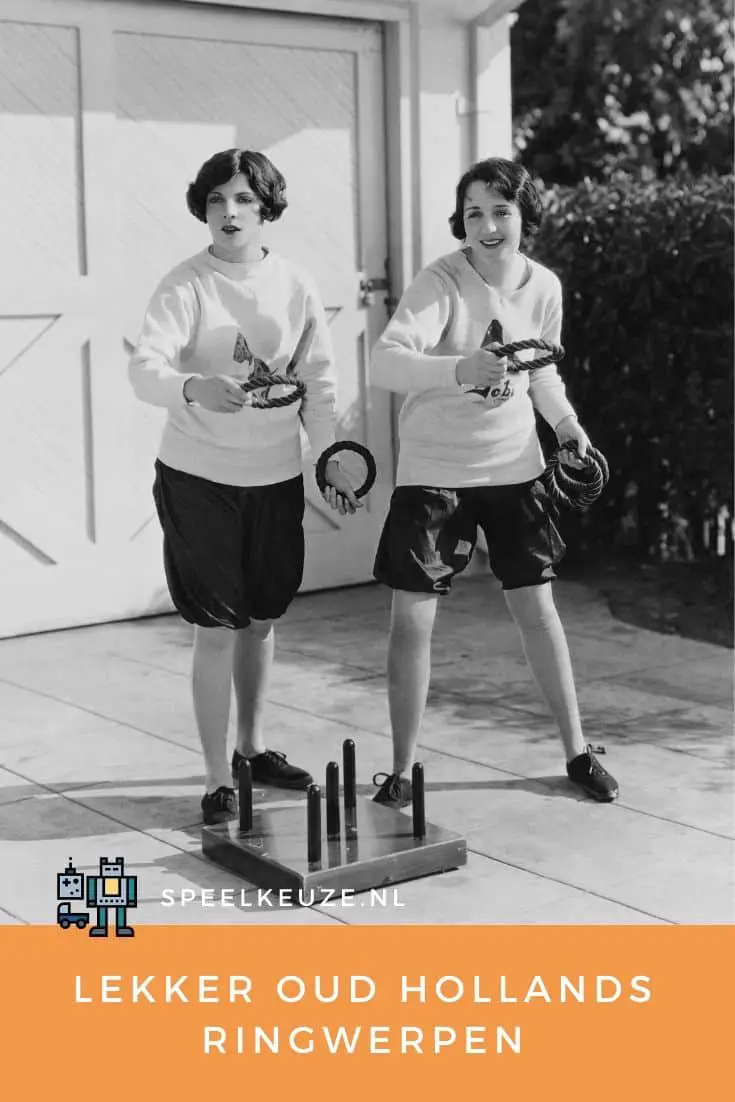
{"x": 430, "y": 534}
{"x": 231, "y": 553}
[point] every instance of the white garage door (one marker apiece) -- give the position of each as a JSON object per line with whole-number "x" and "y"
{"x": 106, "y": 112}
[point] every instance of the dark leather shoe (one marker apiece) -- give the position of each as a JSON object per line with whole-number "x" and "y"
{"x": 586, "y": 771}
{"x": 272, "y": 768}
{"x": 394, "y": 791}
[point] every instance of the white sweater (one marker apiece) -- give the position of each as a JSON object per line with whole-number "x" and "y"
{"x": 191, "y": 327}
{"x": 449, "y": 437}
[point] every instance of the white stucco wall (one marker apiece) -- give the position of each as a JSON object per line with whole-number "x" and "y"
{"x": 444, "y": 129}
{"x": 463, "y": 111}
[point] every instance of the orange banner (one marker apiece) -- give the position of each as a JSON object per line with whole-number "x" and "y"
{"x": 427, "y": 1013}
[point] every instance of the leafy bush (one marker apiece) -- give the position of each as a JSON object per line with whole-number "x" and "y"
{"x": 633, "y": 85}
{"x": 647, "y": 269}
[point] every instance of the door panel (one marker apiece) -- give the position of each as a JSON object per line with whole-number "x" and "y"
{"x": 163, "y": 89}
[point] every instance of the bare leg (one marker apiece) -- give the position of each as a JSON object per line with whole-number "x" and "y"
{"x": 251, "y": 669}
{"x": 211, "y": 689}
{"x": 547, "y": 653}
{"x": 409, "y": 671}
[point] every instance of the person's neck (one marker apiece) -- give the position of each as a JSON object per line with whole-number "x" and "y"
{"x": 503, "y": 275}
{"x": 246, "y": 255}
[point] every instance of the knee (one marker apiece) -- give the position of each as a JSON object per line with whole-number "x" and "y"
{"x": 532, "y": 606}
{"x": 213, "y": 640}
{"x": 412, "y": 618}
{"x": 261, "y": 629}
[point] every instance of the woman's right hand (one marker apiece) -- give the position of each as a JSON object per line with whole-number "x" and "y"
{"x": 217, "y": 393}
{"x": 483, "y": 368}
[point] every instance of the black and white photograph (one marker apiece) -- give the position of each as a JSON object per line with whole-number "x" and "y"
{"x": 366, "y": 501}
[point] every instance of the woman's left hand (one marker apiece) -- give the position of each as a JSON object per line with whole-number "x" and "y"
{"x": 339, "y": 493}
{"x": 570, "y": 430}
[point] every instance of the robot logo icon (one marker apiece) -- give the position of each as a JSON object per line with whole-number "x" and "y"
{"x": 110, "y": 888}
{"x": 70, "y": 888}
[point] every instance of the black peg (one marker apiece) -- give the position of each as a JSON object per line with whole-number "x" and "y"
{"x": 333, "y": 817}
{"x": 245, "y": 795}
{"x": 314, "y": 824}
{"x": 419, "y": 810}
{"x": 348, "y": 761}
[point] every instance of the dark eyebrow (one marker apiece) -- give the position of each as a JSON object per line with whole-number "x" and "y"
{"x": 497, "y": 206}
{"x": 238, "y": 194}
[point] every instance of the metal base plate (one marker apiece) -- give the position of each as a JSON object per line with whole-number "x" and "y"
{"x": 375, "y": 848}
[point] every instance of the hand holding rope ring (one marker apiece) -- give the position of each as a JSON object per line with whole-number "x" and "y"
{"x": 577, "y": 488}
{"x": 346, "y": 446}
{"x": 493, "y": 342}
{"x": 266, "y": 382}
{"x": 262, "y": 378}
{"x": 554, "y": 353}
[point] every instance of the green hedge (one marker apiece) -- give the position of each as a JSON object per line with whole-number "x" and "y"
{"x": 647, "y": 269}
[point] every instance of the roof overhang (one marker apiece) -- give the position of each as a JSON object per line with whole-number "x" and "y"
{"x": 481, "y": 12}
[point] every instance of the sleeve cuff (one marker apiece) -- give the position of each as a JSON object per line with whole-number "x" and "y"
{"x": 553, "y": 409}
{"x": 443, "y": 371}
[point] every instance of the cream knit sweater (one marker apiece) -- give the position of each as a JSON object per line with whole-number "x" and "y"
{"x": 192, "y": 326}
{"x": 449, "y": 437}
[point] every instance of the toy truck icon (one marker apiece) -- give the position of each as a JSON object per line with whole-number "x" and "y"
{"x": 65, "y": 917}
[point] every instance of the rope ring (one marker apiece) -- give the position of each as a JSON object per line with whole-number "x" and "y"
{"x": 554, "y": 353}
{"x": 346, "y": 446}
{"x": 265, "y": 382}
{"x": 576, "y": 488}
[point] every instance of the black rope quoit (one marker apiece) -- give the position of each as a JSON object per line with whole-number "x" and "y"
{"x": 346, "y": 446}
{"x": 554, "y": 353}
{"x": 268, "y": 380}
{"x": 576, "y": 487}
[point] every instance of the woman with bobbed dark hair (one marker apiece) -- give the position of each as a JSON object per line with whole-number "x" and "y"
{"x": 470, "y": 457}
{"x": 228, "y": 488}
{"x": 266, "y": 182}
{"x": 512, "y": 183}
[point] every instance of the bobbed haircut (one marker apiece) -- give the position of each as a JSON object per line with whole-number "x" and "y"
{"x": 262, "y": 175}
{"x": 512, "y": 181}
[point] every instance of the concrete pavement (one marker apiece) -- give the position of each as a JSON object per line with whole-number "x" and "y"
{"x": 99, "y": 757}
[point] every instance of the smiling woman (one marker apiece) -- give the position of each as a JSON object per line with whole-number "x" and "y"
{"x": 470, "y": 457}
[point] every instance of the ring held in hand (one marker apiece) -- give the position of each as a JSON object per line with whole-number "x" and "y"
{"x": 576, "y": 487}
{"x": 346, "y": 446}
{"x": 265, "y": 382}
{"x": 554, "y": 353}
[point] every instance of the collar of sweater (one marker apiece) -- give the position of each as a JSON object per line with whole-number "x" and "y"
{"x": 238, "y": 269}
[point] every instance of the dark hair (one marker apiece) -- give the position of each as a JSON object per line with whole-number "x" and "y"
{"x": 262, "y": 175}
{"x": 513, "y": 183}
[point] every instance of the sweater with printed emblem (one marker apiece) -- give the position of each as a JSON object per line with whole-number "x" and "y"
{"x": 449, "y": 436}
{"x": 213, "y": 317}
